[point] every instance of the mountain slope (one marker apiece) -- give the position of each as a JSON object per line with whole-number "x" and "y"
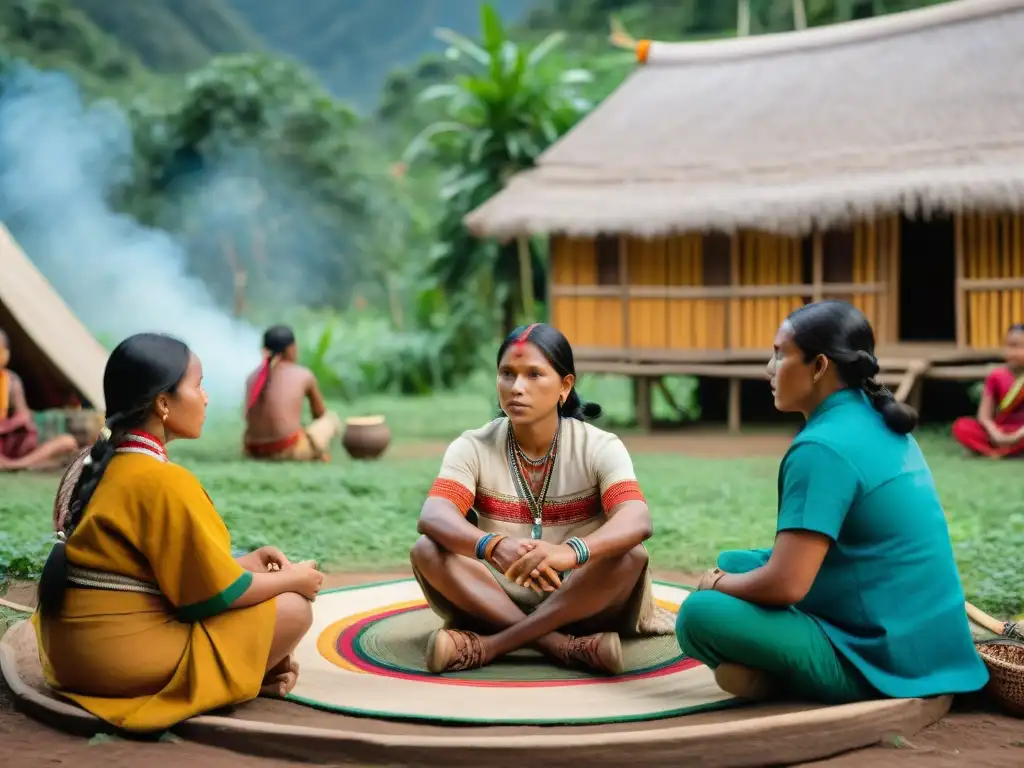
{"x": 51, "y": 34}
{"x": 173, "y": 35}
{"x": 354, "y": 44}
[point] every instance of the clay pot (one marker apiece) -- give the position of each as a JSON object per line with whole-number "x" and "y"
{"x": 366, "y": 437}
{"x": 84, "y": 426}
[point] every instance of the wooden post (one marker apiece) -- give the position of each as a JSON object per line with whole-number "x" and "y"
{"x": 910, "y": 379}
{"x": 743, "y": 18}
{"x": 642, "y": 403}
{"x": 961, "y": 303}
{"x": 732, "y": 319}
{"x": 734, "y": 404}
{"x": 549, "y": 306}
{"x": 526, "y": 276}
{"x": 883, "y": 301}
{"x": 667, "y": 394}
{"x": 916, "y": 394}
{"x": 624, "y": 287}
{"x": 799, "y": 15}
{"x": 894, "y": 278}
{"x": 817, "y": 266}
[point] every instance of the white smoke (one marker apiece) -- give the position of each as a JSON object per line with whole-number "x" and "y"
{"x": 58, "y": 160}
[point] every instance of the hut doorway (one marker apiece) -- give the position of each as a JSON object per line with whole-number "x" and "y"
{"x": 927, "y": 282}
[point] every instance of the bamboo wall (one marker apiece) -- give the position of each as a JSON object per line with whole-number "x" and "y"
{"x": 668, "y": 322}
{"x": 764, "y": 259}
{"x": 992, "y": 250}
{"x": 585, "y": 320}
{"x": 867, "y": 253}
{"x": 653, "y": 299}
{"x": 714, "y": 292}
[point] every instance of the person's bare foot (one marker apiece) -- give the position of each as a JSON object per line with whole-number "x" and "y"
{"x": 744, "y": 682}
{"x": 280, "y": 680}
{"x": 601, "y": 652}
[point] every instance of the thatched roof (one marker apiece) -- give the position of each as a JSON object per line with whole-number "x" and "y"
{"x": 785, "y": 132}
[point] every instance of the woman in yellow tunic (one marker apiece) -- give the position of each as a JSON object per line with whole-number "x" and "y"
{"x": 554, "y": 558}
{"x": 145, "y": 618}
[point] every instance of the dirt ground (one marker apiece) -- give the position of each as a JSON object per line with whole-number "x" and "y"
{"x": 970, "y": 735}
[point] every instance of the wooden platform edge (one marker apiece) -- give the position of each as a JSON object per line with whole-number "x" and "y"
{"x": 773, "y": 740}
{"x": 905, "y": 375}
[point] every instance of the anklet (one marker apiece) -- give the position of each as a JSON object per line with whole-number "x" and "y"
{"x": 481, "y": 545}
{"x": 579, "y": 546}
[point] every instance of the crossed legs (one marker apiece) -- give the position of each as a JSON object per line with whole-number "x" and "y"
{"x": 293, "y": 620}
{"x": 53, "y": 454}
{"x": 760, "y": 652}
{"x": 595, "y": 596}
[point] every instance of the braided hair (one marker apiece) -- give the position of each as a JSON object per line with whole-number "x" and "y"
{"x": 556, "y": 349}
{"x": 276, "y": 341}
{"x": 841, "y": 332}
{"x": 140, "y": 368}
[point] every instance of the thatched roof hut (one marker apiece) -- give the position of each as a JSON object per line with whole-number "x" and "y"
{"x": 789, "y": 132}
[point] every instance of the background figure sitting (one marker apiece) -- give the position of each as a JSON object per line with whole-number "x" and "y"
{"x": 19, "y": 436}
{"x": 276, "y": 392}
{"x": 998, "y": 430}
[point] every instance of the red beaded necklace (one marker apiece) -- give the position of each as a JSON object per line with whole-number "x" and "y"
{"x": 137, "y": 441}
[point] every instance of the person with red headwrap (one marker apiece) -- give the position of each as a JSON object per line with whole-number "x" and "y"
{"x": 275, "y": 395}
{"x": 998, "y": 429}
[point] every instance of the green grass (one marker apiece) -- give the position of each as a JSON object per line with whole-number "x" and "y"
{"x": 362, "y": 515}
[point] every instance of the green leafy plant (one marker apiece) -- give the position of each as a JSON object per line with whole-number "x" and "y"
{"x": 505, "y": 106}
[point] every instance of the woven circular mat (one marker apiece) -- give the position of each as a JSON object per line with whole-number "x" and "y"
{"x": 365, "y": 656}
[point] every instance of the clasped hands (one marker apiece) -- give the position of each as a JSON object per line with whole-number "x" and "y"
{"x": 306, "y": 578}
{"x": 1006, "y": 439}
{"x": 272, "y": 559}
{"x": 533, "y": 563}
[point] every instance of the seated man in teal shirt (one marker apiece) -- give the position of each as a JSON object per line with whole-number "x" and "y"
{"x": 859, "y": 597}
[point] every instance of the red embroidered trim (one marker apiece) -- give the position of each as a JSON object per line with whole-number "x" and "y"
{"x": 621, "y": 492}
{"x": 455, "y": 492}
{"x": 140, "y": 433}
{"x": 139, "y": 440}
{"x": 569, "y": 512}
{"x": 274, "y": 448}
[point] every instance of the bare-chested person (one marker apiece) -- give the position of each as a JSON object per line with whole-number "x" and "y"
{"x": 19, "y": 437}
{"x": 275, "y": 395}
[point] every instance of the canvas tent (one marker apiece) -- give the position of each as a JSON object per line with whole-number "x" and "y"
{"x": 60, "y": 362}
{"x": 787, "y": 132}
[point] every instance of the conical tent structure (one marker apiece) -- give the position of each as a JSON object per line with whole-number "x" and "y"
{"x": 57, "y": 358}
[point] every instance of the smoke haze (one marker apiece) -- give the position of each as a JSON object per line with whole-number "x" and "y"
{"x": 59, "y": 160}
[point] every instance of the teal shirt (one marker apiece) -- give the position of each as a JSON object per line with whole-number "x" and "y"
{"x": 888, "y": 594}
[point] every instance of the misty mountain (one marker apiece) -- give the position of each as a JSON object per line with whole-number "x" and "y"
{"x": 354, "y": 44}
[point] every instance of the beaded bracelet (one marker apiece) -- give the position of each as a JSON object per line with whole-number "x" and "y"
{"x": 481, "y": 545}
{"x": 579, "y": 546}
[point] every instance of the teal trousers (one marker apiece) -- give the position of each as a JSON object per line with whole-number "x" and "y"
{"x": 785, "y": 643}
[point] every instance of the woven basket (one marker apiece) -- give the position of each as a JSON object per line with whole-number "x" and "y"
{"x": 1005, "y": 661}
